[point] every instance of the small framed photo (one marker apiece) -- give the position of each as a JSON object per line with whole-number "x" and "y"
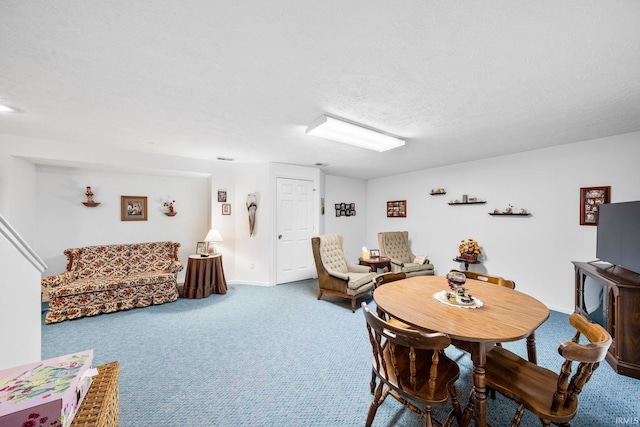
{"x": 133, "y": 208}
{"x": 375, "y": 253}
{"x": 226, "y": 209}
{"x": 222, "y": 196}
{"x": 590, "y": 199}
{"x": 201, "y": 248}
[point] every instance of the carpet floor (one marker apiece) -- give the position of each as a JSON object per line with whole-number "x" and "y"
{"x": 275, "y": 356}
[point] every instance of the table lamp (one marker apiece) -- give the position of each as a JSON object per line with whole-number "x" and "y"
{"x": 212, "y": 236}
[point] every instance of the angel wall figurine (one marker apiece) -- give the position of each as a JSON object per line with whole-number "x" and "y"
{"x": 89, "y": 195}
{"x": 252, "y": 206}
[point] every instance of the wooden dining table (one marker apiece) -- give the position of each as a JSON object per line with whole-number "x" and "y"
{"x": 505, "y": 315}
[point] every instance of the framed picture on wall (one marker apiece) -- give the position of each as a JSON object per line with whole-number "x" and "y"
{"x": 590, "y": 199}
{"x": 222, "y": 196}
{"x": 397, "y": 209}
{"x": 133, "y": 208}
{"x": 345, "y": 209}
{"x": 226, "y": 209}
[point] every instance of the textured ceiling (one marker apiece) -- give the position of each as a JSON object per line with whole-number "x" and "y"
{"x": 458, "y": 80}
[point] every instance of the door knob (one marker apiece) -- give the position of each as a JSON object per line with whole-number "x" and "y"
{"x": 279, "y": 236}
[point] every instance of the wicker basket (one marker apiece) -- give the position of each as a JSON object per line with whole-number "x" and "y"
{"x": 99, "y": 407}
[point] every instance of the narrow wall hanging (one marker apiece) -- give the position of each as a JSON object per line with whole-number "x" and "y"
{"x": 252, "y": 206}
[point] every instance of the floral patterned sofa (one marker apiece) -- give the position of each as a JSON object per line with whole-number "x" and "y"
{"x": 108, "y": 278}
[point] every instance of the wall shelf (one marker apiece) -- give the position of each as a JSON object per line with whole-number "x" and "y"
{"x": 438, "y": 194}
{"x": 91, "y": 204}
{"x": 509, "y": 214}
{"x": 479, "y": 202}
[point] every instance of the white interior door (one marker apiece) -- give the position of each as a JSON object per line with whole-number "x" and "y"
{"x": 294, "y": 228}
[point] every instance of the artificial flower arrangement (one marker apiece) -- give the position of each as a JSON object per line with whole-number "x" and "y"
{"x": 169, "y": 205}
{"x": 469, "y": 246}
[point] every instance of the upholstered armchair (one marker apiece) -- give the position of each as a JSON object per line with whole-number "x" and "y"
{"x": 336, "y": 274}
{"x": 395, "y": 246}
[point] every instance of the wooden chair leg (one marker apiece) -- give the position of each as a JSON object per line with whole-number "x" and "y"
{"x": 467, "y": 414}
{"x": 320, "y": 294}
{"x": 428, "y": 421}
{"x": 377, "y": 401}
{"x": 372, "y": 384}
{"x": 456, "y": 411}
{"x": 531, "y": 348}
{"x": 517, "y": 418}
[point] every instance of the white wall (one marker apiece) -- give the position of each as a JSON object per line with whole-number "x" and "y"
{"x": 20, "y": 281}
{"x": 535, "y": 251}
{"x": 256, "y": 249}
{"x": 19, "y": 299}
{"x": 17, "y": 194}
{"x": 62, "y": 221}
{"x": 353, "y": 228}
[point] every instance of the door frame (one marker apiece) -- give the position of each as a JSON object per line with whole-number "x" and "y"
{"x": 281, "y": 170}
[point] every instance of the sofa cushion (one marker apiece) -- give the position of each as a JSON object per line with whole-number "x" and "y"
{"x": 358, "y": 279}
{"x": 140, "y": 279}
{"x": 105, "y": 260}
{"x": 151, "y": 257}
{"x": 359, "y": 282}
{"x": 106, "y": 283}
{"x": 88, "y": 285}
{"x": 410, "y": 267}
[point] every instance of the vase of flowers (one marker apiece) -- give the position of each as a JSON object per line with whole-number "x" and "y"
{"x": 469, "y": 249}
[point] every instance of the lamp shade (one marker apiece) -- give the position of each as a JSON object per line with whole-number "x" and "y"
{"x": 349, "y": 133}
{"x": 213, "y": 236}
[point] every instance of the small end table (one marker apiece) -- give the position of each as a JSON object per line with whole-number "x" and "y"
{"x": 375, "y": 263}
{"x": 466, "y": 262}
{"x": 204, "y": 276}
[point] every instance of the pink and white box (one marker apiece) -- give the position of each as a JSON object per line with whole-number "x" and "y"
{"x": 46, "y": 393}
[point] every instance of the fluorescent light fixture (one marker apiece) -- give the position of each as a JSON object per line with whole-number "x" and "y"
{"x": 6, "y": 109}
{"x": 337, "y": 130}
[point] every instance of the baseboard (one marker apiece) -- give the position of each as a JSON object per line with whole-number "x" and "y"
{"x": 559, "y": 309}
{"x": 244, "y": 282}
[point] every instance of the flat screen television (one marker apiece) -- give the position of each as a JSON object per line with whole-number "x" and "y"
{"x": 618, "y": 235}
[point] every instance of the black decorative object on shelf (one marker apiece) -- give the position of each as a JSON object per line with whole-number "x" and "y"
{"x": 510, "y": 211}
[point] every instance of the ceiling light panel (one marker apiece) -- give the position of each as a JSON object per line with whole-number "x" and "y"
{"x": 341, "y": 131}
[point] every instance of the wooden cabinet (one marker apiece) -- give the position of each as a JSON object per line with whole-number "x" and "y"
{"x": 610, "y": 295}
